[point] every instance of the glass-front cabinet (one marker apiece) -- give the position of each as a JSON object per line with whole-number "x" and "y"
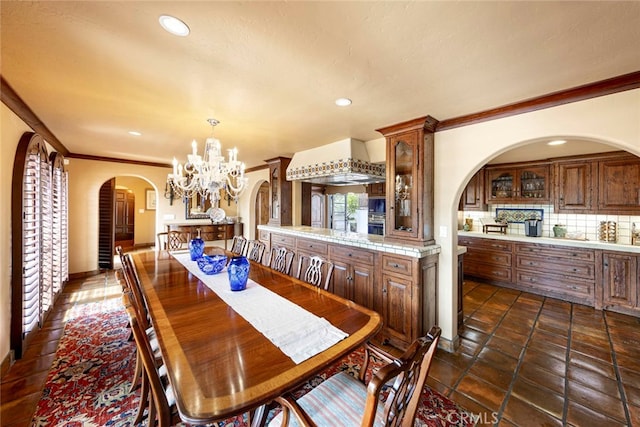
{"x": 409, "y": 190}
{"x": 280, "y": 191}
{"x": 526, "y": 184}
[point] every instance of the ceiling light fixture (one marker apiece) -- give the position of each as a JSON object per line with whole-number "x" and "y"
{"x": 557, "y": 142}
{"x": 209, "y": 174}
{"x": 174, "y": 25}
{"x": 343, "y": 102}
{"x": 134, "y": 133}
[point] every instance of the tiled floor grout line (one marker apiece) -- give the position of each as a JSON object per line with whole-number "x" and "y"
{"x": 565, "y": 404}
{"x": 625, "y": 404}
{"x": 516, "y": 371}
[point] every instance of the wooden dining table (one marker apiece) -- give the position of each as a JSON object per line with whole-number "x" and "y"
{"x": 218, "y": 364}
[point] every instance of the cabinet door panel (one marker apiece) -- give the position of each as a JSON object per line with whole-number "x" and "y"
{"x": 340, "y": 281}
{"x": 619, "y": 185}
{"x": 574, "y": 186}
{"x": 362, "y": 283}
{"x": 619, "y": 279}
{"x": 396, "y": 307}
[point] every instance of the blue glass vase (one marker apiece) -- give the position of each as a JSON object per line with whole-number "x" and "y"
{"x": 196, "y": 247}
{"x": 238, "y": 270}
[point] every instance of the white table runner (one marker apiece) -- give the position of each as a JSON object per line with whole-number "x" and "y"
{"x": 296, "y": 332}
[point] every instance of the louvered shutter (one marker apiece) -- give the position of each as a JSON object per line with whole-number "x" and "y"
{"x": 58, "y": 223}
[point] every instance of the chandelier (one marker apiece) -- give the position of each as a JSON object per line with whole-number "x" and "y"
{"x": 209, "y": 174}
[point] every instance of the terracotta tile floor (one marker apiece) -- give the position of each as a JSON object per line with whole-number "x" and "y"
{"x": 527, "y": 360}
{"x": 524, "y": 360}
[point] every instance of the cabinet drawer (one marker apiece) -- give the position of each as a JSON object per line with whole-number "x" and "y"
{"x": 490, "y": 244}
{"x": 487, "y": 271}
{"x": 394, "y": 264}
{"x": 556, "y": 284}
{"x": 555, "y": 252}
{"x": 313, "y": 247}
{"x": 488, "y": 257}
{"x": 283, "y": 240}
{"x": 346, "y": 253}
{"x": 577, "y": 269}
{"x": 264, "y": 235}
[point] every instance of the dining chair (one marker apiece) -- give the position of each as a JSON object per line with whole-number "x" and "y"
{"x": 157, "y": 394}
{"x": 391, "y": 397}
{"x": 317, "y": 270}
{"x": 162, "y": 239}
{"x": 281, "y": 259}
{"x": 255, "y": 250}
{"x": 238, "y": 245}
{"x": 177, "y": 240}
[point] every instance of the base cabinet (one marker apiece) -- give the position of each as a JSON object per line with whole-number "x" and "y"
{"x": 401, "y": 288}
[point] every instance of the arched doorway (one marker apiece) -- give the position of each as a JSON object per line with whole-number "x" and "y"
{"x": 262, "y": 206}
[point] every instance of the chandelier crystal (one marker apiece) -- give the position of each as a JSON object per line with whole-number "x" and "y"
{"x": 209, "y": 174}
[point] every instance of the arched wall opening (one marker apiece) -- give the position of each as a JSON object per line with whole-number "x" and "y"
{"x": 613, "y": 120}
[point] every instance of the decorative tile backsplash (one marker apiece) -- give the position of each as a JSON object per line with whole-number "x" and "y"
{"x": 587, "y": 224}
{"x": 518, "y": 215}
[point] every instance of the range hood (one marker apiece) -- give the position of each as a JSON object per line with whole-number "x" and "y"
{"x": 343, "y": 162}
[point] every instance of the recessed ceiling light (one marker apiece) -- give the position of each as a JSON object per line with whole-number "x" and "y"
{"x": 134, "y": 133}
{"x": 557, "y": 142}
{"x": 174, "y": 25}
{"x": 343, "y": 102}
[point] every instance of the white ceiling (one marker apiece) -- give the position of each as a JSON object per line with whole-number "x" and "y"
{"x": 270, "y": 71}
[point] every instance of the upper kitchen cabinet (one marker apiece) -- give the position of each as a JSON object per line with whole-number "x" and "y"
{"x": 518, "y": 184}
{"x": 473, "y": 195}
{"x": 619, "y": 186}
{"x": 575, "y": 183}
{"x": 376, "y": 189}
{"x": 410, "y": 180}
{"x": 280, "y": 212}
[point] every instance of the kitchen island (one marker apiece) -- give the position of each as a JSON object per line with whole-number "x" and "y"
{"x": 397, "y": 280}
{"x": 594, "y": 273}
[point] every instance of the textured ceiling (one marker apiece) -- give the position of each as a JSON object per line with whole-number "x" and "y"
{"x": 270, "y": 71}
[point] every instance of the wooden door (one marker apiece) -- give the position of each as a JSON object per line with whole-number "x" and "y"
{"x": 262, "y": 207}
{"x": 619, "y": 189}
{"x": 124, "y": 219}
{"x": 362, "y": 285}
{"x": 619, "y": 280}
{"x": 396, "y": 307}
{"x": 317, "y": 210}
{"x": 574, "y": 186}
{"x": 473, "y": 194}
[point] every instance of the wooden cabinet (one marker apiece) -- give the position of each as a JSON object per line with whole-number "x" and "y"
{"x": 575, "y": 184}
{"x": 473, "y": 195}
{"x": 523, "y": 184}
{"x": 377, "y": 189}
{"x": 488, "y": 259}
{"x": 620, "y": 282}
{"x": 280, "y": 191}
{"x": 619, "y": 186}
{"x": 561, "y": 272}
{"x": 409, "y": 186}
{"x": 209, "y": 232}
{"x": 353, "y": 274}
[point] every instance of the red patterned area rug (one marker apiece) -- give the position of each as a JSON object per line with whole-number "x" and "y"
{"x": 90, "y": 377}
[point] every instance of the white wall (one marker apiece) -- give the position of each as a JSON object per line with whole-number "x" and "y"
{"x": 459, "y": 153}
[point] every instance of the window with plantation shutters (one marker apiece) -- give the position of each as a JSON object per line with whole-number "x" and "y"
{"x": 39, "y": 237}
{"x": 58, "y": 223}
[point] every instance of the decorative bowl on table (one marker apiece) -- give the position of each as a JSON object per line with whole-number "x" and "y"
{"x": 212, "y": 264}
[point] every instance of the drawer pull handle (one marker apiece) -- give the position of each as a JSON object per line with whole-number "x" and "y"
{"x": 395, "y": 265}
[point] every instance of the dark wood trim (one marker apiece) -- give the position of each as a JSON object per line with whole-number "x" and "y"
{"x": 579, "y": 93}
{"x": 84, "y": 274}
{"x": 16, "y": 104}
{"x": 116, "y": 160}
{"x": 427, "y": 123}
{"x": 256, "y": 168}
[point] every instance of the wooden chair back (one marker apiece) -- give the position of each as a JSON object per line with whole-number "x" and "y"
{"x": 409, "y": 374}
{"x": 177, "y": 240}
{"x": 238, "y": 245}
{"x": 255, "y": 250}
{"x": 317, "y": 270}
{"x": 159, "y": 405}
{"x": 281, "y": 259}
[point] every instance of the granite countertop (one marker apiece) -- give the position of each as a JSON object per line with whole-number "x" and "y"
{"x": 587, "y": 244}
{"x": 365, "y": 241}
